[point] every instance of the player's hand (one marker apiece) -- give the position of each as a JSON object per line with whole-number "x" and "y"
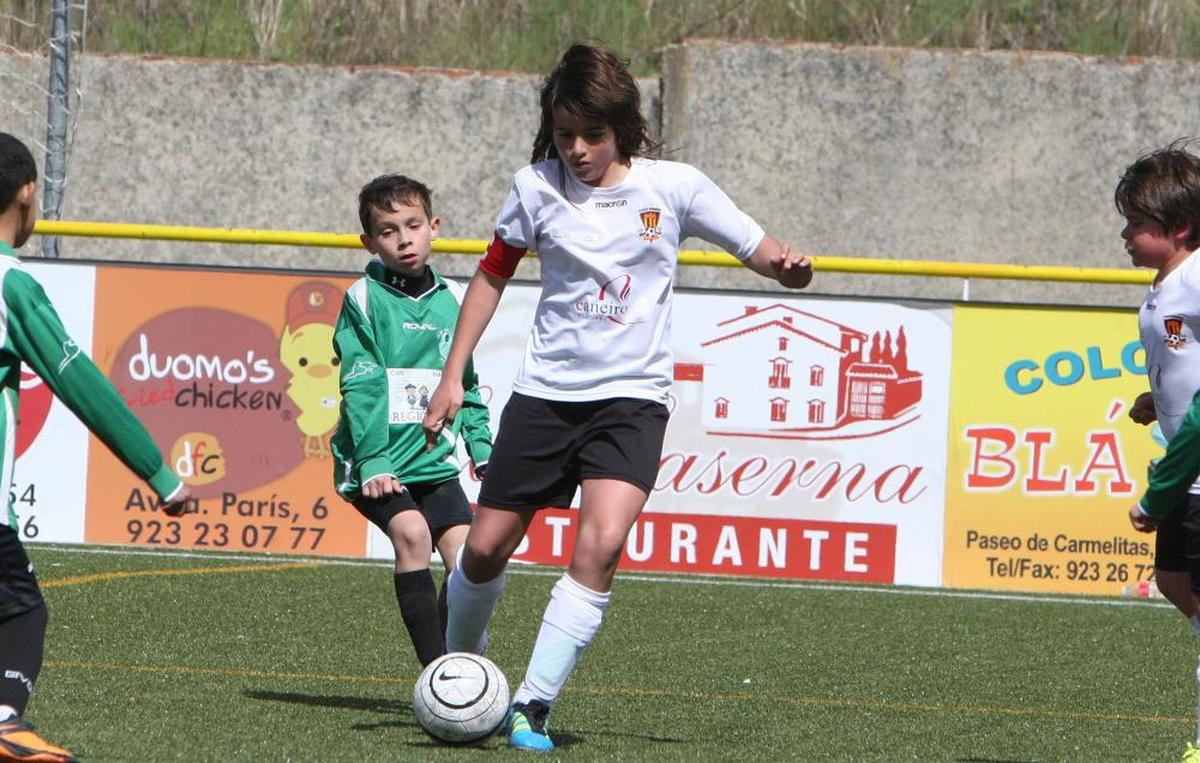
{"x": 480, "y": 470}
{"x": 444, "y": 405}
{"x": 1140, "y": 521}
{"x": 382, "y": 486}
{"x": 179, "y": 502}
{"x": 792, "y": 269}
{"x": 1143, "y": 411}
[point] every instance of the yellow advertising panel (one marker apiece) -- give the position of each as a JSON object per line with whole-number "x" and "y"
{"x": 1043, "y": 461}
{"x": 234, "y": 376}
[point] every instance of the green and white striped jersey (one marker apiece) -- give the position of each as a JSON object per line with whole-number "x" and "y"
{"x": 31, "y": 331}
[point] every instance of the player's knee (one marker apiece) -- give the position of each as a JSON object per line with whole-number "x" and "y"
{"x": 410, "y": 540}
{"x": 483, "y": 561}
{"x": 603, "y": 544}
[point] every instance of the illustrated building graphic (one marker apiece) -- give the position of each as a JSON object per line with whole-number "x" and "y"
{"x": 777, "y": 371}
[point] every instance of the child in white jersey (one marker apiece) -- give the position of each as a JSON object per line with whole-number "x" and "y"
{"x": 1159, "y": 196}
{"x": 588, "y": 406}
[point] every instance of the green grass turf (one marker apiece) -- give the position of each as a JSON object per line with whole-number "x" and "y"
{"x": 312, "y": 664}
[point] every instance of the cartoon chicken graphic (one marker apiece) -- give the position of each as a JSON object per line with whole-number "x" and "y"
{"x": 306, "y": 350}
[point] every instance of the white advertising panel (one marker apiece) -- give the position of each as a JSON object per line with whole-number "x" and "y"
{"x": 50, "y": 480}
{"x": 807, "y": 439}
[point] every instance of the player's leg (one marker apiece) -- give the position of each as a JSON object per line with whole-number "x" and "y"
{"x": 1190, "y": 527}
{"x": 401, "y": 520}
{"x": 1176, "y": 587}
{"x": 23, "y": 618}
{"x": 477, "y": 579}
{"x": 530, "y": 468}
{"x": 448, "y": 514}
{"x": 619, "y": 456}
{"x": 449, "y": 542}
{"x": 1172, "y": 568}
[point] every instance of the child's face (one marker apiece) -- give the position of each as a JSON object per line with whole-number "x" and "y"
{"x": 589, "y": 149}
{"x": 1150, "y": 245}
{"x": 402, "y": 237}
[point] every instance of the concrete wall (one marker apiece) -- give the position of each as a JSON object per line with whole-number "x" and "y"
{"x": 985, "y": 157}
{"x": 215, "y": 143}
{"x": 917, "y": 154}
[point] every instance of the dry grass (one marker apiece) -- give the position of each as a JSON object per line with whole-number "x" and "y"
{"x": 527, "y": 35}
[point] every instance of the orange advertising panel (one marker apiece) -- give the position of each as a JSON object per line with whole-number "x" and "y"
{"x": 233, "y": 375}
{"x": 1044, "y": 461}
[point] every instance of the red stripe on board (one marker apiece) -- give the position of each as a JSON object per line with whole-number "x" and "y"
{"x": 719, "y": 545}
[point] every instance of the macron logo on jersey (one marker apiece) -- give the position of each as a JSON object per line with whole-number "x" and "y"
{"x": 70, "y": 352}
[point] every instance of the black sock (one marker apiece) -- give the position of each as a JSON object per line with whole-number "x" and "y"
{"x": 418, "y": 606}
{"x": 443, "y": 608}
{"x": 21, "y": 641}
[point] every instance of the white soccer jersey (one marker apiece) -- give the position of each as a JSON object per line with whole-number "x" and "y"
{"x": 1169, "y": 323}
{"x": 608, "y": 259}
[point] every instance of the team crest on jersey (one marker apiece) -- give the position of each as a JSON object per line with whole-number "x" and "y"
{"x": 1174, "y": 337}
{"x": 651, "y": 229}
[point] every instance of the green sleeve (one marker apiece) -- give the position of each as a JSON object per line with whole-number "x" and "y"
{"x": 1177, "y": 469}
{"x": 38, "y": 335}
{"x": 476, "y": 432}
{"x": 364, "y": 389}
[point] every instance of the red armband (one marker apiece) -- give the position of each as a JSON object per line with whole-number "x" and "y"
{"x": 501, "y": 258}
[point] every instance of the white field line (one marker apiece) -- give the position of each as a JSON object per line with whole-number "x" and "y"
{"x": 523, "y": 568}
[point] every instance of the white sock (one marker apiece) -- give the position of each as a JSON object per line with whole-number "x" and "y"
{"x": 1194, "y": 621}
{"x": 469, "y": 608}
{"x": 571, "y": 621}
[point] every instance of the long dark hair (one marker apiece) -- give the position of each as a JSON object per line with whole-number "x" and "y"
{"x": 592, "y": 83}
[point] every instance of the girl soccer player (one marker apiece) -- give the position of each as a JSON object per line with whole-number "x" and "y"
{"x": 588, "y": 405}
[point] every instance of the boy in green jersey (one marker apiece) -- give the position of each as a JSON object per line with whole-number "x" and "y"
{"x": 392, "y": 337}
{"x": 33, "y": 334}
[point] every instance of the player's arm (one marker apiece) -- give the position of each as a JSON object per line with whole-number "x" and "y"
{"x": 781, "y": 263}
{"x": 710, "y": 214}
{"x": 476, "y": 429}
{"x": 478, "y": 306}
{"x": 43, "y": 343}
{"x": 1176, "y": 470}
{"x": 364, "y": 388}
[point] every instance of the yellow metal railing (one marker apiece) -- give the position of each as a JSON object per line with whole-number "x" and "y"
{"x": 935, "y": 268}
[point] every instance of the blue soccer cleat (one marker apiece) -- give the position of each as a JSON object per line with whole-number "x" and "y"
{"x": 527, "y": 726}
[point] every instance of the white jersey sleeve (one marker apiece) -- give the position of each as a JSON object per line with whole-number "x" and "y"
{"x": 711, "y": 215}
{"x": 514, "y": 224}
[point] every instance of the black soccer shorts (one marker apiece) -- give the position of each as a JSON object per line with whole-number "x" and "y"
{"x": 19, "y": 592}
{"x": 442, "y": 503}
{"x": 545, "y": 448}
{"x": 1177, "y": 541}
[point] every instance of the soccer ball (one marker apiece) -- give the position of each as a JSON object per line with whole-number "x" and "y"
{"x": 460, "y": 698}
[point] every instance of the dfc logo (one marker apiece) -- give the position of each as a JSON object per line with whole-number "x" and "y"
{"x": 198, "y": 459}
{"x": 1174, "y": 338}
